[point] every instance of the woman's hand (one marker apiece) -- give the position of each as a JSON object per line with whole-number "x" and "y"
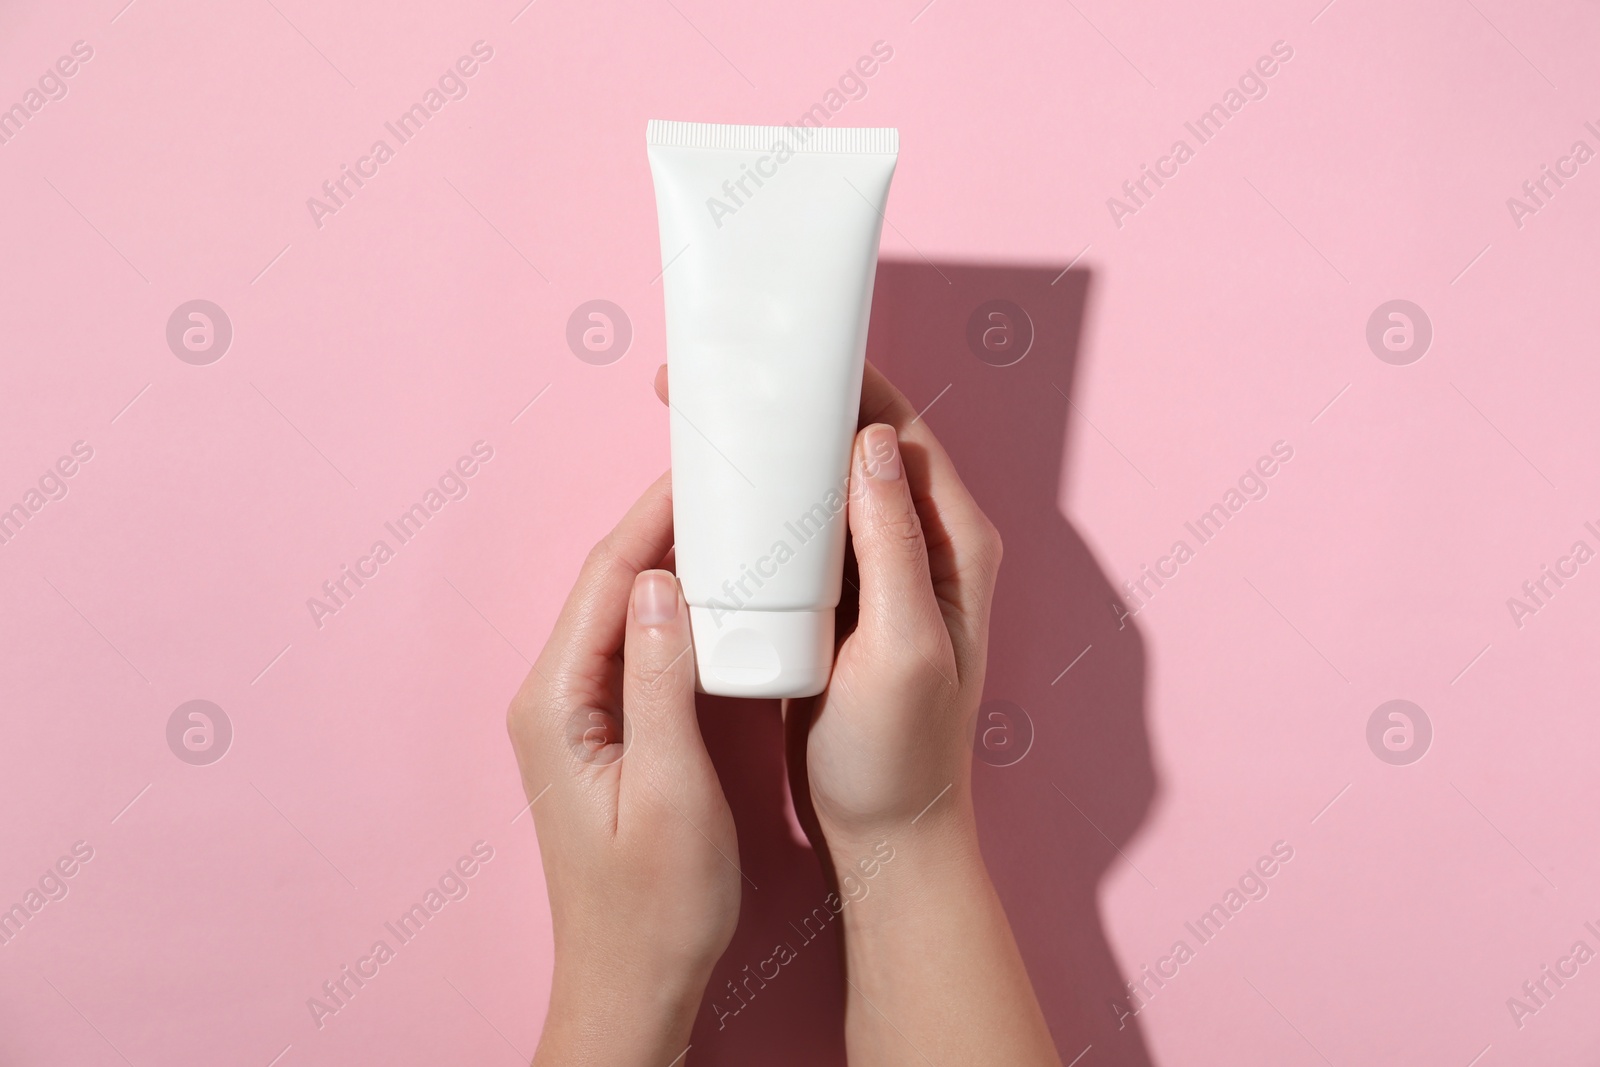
{"x": 930, "y": 961}
{"x": 891, "y": 737}
{"x": 638, "y": 844}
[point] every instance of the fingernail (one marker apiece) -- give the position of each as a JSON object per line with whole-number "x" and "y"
{"x": 882, "y": 448}
{"x": 655, "y": 598}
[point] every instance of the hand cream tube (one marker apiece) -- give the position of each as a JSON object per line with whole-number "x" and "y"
{"x": 769, "y": 244}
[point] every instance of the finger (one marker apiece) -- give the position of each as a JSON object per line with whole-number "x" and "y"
{"x": 963, "y": 545}
{"x": 594, "y": 615}
{"x": 661, "y": 735}
{"x": 581, "y": 654}
{"x": 933, "y": 475}
{"x": 897, "y": 598}
{"x": 563, "y": 714}
{"x": 661, "y": 383}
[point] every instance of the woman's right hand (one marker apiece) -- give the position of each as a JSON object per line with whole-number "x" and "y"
{"x": 891, "y": 737}
{"x": 930, "y": 960}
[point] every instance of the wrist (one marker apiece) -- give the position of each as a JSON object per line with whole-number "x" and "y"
{"x": 945, "y": 824}
{"x": 928, "y": 946}
{"x": 912, "y": 876}
{"x": 618, "y": 1011}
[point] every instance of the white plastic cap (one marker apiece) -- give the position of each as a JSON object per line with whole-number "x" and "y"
{"x": 762, "y": 653}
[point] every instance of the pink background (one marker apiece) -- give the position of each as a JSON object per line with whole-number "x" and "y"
{"x": 368, "y": 354}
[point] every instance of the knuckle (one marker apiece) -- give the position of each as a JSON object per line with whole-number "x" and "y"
{"x": 518, "y": 713}
{"x": 908, "y": 664}
{"x": 522, "y": 718}
{"x": 987, "y": 547}
{"x": 532, "y": 709}
{"x": 900, "y": 531}
{"x": 601, "y": 556}
{"x": 655, "y": 681}
{"x": 994, "y": 545}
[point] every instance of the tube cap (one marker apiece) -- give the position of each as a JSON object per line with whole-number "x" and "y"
{"x": 762, "y": 653}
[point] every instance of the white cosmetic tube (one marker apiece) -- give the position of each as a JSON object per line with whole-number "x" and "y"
{"x": 769, "y": 244}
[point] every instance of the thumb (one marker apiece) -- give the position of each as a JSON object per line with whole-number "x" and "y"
{"x": 897, "y": 601}
{"x": 661, "y": 736}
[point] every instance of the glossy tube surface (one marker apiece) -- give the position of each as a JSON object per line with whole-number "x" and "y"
{"x": 769, "y": 244}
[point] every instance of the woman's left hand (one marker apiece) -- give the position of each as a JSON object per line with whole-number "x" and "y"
{"x": 638, "y": 844}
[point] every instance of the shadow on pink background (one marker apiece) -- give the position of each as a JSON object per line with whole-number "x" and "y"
{"x": 213, "y": 493}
